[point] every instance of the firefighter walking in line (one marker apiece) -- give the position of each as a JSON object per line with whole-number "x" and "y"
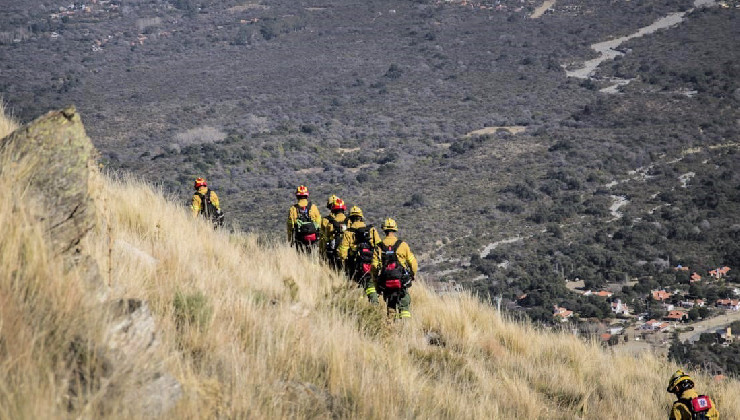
{"x": 304, "y": 220}
{"x": 205, "y": 203}
{"x": 394, "y": 269}
{"x": 333, "y": 227}
{"x": 689, "y": 404}
{"x": 356, "y": 251}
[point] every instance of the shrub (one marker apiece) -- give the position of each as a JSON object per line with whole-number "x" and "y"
{"x": 192, "y": 310}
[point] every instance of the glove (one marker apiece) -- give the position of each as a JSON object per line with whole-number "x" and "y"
{"x": 406, "y": 281}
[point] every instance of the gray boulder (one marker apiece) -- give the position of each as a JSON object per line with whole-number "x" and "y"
{"x": 59, "y": 158}
{"x": 124, "y": 363}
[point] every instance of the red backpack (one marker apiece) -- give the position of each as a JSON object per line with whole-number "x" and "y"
{"x": 698, "y": 406}
{"x": 391, "y": 269}
{"x": 362, "y": 259}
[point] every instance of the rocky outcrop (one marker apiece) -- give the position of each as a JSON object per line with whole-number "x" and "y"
{"x": 133, "y": 334}
{"x": 52, "y": 162}
{"x": 56, "y": 157}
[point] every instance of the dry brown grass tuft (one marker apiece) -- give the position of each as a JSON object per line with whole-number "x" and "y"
{"x": 7, "y": 123}
{"x": 253, "y": 330}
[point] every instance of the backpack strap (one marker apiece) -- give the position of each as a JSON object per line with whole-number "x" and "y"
{"x": 300, "y": 210}
{"x": 205, "y": 200}
{"x": 337, "y": 225}
{"x": 385, "y": 248}
{"x": 396, "y": 246}
{"x": 689, "y": 403}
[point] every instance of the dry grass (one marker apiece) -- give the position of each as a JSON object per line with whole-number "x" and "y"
{"x": 253, "y": 330}
{"x": 7, "y": 124}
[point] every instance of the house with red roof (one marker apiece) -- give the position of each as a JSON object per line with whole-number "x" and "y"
{"x": 719, "y": 272}
{"x": 660, "y": 295}
{"x": 561, "y": 313}
{"x": 676, "y": 316}
{"x": 732, "y": 304}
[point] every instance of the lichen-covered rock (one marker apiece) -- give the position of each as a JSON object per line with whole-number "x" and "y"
{"x": 53, "y": 163}
{"x": 57, "y": 157}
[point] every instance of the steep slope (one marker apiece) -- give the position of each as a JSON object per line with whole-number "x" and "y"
{"x": 251, "y": 329}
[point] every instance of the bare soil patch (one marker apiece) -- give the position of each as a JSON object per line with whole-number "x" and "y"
{"x": 541, "y": 9}
{"x": 513, "y": 129}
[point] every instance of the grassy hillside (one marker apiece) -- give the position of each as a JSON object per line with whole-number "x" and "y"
{"x": 253, "y": 330}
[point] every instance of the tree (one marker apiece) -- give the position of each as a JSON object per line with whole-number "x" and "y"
{"x": 694, "y": 314}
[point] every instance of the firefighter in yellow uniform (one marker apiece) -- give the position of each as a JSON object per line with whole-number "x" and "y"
{"x": 689, "y": 404}
{"x": 394, "y": 269}
{"x": 356, "y": 251}
{"x": 205, "y": 203}
{"x": 304, "y": 220}
{"x": 333, "y": 227}
{"x": 324, "y": 221}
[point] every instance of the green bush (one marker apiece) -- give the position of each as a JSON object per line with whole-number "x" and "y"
{"x": 192, "y": 309}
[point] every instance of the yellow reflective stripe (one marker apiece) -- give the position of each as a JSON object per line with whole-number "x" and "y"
{"x": 405, "y": 314}
{"x": 370, "y": 290}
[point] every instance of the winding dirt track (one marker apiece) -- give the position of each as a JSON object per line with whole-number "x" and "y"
{"x": 541, "y": 9}
{"x": 607, "y": 49}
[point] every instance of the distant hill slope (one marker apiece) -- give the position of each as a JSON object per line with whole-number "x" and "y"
{"x": 371, "y": 100}
{"x": 250, "y": 329}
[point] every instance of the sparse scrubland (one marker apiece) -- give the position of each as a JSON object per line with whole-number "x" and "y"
{"x": 373, "y": 101}
{"x": 253, "y": 330}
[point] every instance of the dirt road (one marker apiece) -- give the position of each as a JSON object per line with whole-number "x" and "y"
{"x": 541, "y": 9}
{"x": 608, "y": 49}
{"x": 709, "y": 325}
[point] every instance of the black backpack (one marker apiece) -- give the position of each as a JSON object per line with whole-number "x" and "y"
{"x": 337, "y": 232}
{"x": 363, "y": 256}
{"x": 390, "y": 267}
{"x": 699, "y": 407}
{"x": 304, "y": 227}
{"x": 208, "y": 209}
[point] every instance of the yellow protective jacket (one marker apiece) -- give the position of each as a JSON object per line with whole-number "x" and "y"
{"x": 327, "y": 229}
{"x": 404, "y": 254}
{"x": 348, "y": 245}
{"x": 680, "y": 411}
{"x": 313, "y": 213}
{"x": 197, "y": 205}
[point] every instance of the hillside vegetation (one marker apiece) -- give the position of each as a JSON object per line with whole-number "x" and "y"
{"x": 253, "y": 330}
{"x": 374, "y": 101}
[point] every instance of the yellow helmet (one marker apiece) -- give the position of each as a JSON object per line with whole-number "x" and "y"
{"x": 390, "y": 225}
{"x": 356, "y": 211}
{"x": 679, "y": 382}
{"x": 330, "y": 201}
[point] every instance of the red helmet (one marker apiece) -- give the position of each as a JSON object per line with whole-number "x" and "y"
{"x": 338, "y": 205}
{"x": 200, "y": 182}
{"x": 301, "y": 191}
